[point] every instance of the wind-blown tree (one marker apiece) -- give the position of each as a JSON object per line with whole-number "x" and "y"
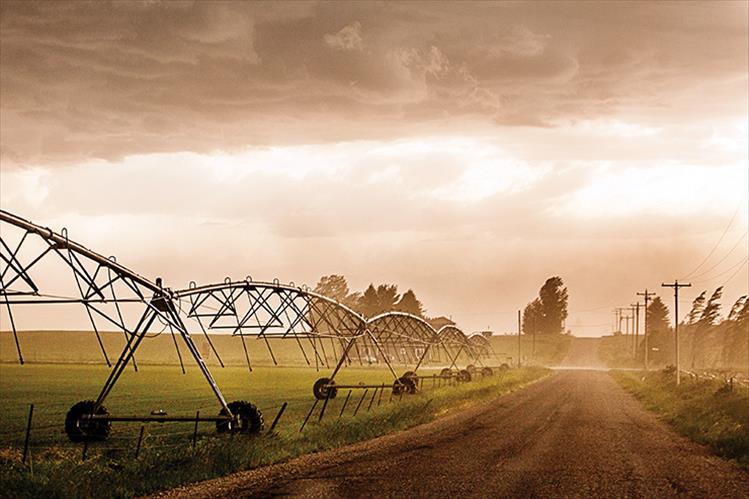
{"x": 735, "y": 338}
{"x": 549, "y": 310}
{"x": 410, "y": 304}
{"x": 698, "y": 305}
{"x": 705, "y": 324}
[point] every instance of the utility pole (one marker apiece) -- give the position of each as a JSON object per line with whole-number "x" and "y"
{"x": 647, "y": 296}
{"x": 676, "y": 285}
{"x": 636, "y": 311}
{"x": 519, "y": 327}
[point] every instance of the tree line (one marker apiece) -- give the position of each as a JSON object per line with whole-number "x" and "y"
{"x": 707, "y": 341}
{"x": 376, "y": 300}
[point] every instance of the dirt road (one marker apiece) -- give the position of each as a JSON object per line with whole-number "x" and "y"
{"x": 573, "y": 434}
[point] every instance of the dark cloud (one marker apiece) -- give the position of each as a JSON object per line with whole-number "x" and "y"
{"x": 80, "y": 80}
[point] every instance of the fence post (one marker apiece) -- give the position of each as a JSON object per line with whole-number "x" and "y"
{"x": 140, "y": 440}
{"x": 85, "y": 450}
{"x": 345, "y": 402}
{"x": 28, "y": 433}
{"x": 379, "y": 399}
{"x": 371, "y": 401}
{"x": 195, "y": 430}
{"x": 308, "y": 415}
{"x": 278, "y": 416}
{"x": 324, "y": 405}
{"x": 360, "y": 401}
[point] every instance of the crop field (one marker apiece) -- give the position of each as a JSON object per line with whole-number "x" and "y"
{"x": 53, "y": 389}
{"x": 169, "y": 456}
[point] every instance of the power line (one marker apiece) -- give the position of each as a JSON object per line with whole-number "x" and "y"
{"x": 725, "y": 231}
{"x": 724, "y": 257}
{"x": 734, "y": 274}
{"x": 729, "y": 269}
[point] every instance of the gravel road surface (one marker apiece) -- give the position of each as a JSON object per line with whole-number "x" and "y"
{"x": 573, "y": 434}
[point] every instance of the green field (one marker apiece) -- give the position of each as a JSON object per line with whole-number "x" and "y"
{"x": 81, "y": 347}
{"x": 167, "y": 457}
{"x": 53, "y": 389}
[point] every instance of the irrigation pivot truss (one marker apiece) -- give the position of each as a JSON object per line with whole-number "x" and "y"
{"x": 42, "y": 267}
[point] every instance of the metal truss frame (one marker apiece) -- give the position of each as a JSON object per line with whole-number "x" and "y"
{"x": 104, "y": 287}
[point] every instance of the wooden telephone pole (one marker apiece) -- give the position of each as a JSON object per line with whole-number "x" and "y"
{"x": 676, "y": 285}
{"x": 647, "y": 296}
{"x": 636, "y": 312}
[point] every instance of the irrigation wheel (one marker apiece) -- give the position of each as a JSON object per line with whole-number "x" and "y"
{"x": 504, "y": 367}
{"x": 408, "y": 384}
{"x": 471, "y": 368}
{"x": 323, "y": 390}
{"x": 446, "y": 372}
{"x": 80, "y": 428}
{"x": 487, "y": 371}
{"x": 464, "y": 375}
{"x": 410, "y": 374}
{"x": 249, "y": 419}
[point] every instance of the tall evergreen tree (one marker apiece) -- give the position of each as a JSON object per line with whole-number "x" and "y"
{"x": 410, "y": 304}
{"x": 387, "y": 297}
{"x": 368, "y": 303}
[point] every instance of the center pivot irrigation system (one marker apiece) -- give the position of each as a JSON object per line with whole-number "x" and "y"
{"x": 43, "y": 268}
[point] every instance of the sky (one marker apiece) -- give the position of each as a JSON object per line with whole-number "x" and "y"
{"x": 465, "y": 150}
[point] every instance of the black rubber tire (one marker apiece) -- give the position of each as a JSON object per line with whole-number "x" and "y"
{"x": 409, "y": 384}
{"x": 82, "y": 430}
{"x": 464, "y": 376}
{"x": 321, "y": 391}
{"x": 504, "y": 367}
{"x": 410, "y": 374}
{"x": 399, "y": 386}
{"x": 487, "y": 371}
{"x": 249, "y": 419}
{"x": 446, "y": 372}
{"x": 471, "y": 368}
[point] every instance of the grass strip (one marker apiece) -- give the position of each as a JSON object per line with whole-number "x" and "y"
{"x": 706, "y": 411}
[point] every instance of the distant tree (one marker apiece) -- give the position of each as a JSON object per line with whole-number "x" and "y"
{"x": 440, "y": 322}
{"x": 368, "y": 304}
{"x": 736, "y": 308}
{"x": 704, "y": 325}
{"x": 660, "y": 340}
{"x": 711, "y": 310}
{"x": 410, "y": 304}
{"x": 387, "y": 297}
{"x": 553, "y": 297}
{"x": 335, "y": 286}
{"x": 532, "y": 316}
{"x": 657, "y": 316}
{"x": 734, "y": 338}
{"x": 698, "y": 305}
{"x": 378, "y": 300}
